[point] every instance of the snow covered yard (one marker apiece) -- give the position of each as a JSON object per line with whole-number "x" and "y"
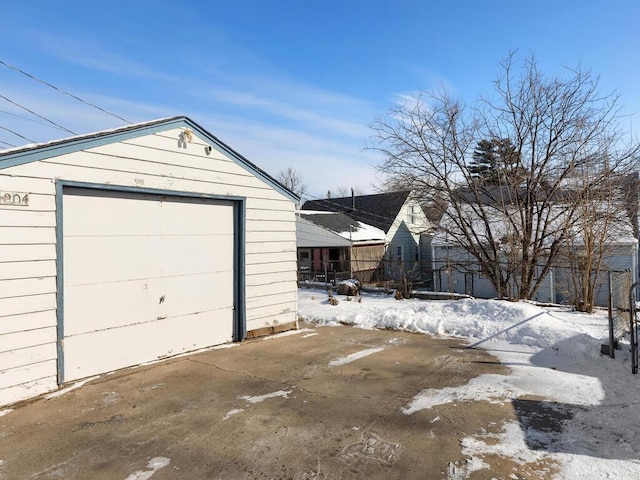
{"x": 575, "y": 406}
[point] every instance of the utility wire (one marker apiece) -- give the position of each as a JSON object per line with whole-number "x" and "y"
{"x": 340, "y": 208}
{"x": 16, "y": 134}
{"x": 25, "y": 118}
{"x": 7, "y": 143}
{"x": 12, "y": 67}
{"x": 37, "y": 115}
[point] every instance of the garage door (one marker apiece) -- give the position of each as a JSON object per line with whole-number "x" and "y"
{"x": 145, "y": 277}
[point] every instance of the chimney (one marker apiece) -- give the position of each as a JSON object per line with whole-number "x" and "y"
{"x": 353, "y": 199}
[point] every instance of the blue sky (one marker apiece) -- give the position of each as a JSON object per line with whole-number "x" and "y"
{"x": 292, "y": 82}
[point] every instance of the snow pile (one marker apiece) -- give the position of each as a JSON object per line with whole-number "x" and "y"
{"x": 552, "y": 354}
{"x": 520, "y": 323}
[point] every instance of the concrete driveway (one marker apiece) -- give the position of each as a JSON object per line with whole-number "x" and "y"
{"x": 325, "y": 403}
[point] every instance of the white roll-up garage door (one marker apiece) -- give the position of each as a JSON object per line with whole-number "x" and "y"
{"x": 145, "y": 277}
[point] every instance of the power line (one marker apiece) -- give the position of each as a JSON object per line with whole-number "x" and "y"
{"x": 25, "y": 118}
{"x": 12, "y": 67}
{"x": 7, "y": 143}
{"x": 340, "y": 208}
{"x": 17, "y": 134}
{"x": 37, "y": 115}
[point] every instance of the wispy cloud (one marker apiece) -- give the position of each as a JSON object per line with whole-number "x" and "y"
{"x": 303, "y": 115}
{"x": 273, "y": 119}
{"x": 92, "y": 55}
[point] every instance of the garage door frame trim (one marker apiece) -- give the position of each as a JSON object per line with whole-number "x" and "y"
{"x": 239, "y": 227}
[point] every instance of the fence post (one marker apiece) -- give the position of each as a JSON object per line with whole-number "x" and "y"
{"x": 611, "y": 337}
{"x": 632, "y": 328}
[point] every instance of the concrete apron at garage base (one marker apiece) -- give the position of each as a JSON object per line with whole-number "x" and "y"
{"x": 267, "y": 408}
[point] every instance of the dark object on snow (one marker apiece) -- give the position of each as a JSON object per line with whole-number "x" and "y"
{"x": 349, "y": 287}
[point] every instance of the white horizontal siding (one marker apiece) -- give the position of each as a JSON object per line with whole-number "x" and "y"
{"x": 270, "y": 247}
{"x": 37, "y": 202}
{"x": 270, "y": 225}
{"x": 27, "y": 235}
{"x": 27, "y": 270}
{"x": 267, "y": 289}
{"x": 262, "y": 237}
{"x": 269, "y": 258}
{"x": 22, "y": 391}
{"x": 269, "y": 311}
{"x": 27, "y": 338}
{"x": 28, "y": 321}
{"x": 27, "y": 304}
{"x": 268, "y": 278}
{"x": 27, "y": 286}
{"x": 26, "y": 253}
{"x": 262, "y": 268}
{"x": 11, "y": 180}
{"x": 278, "y": 298}
{"x": 265, "y": 215}
{"x": 26, "y": 218}
{"x": 28, "y": 355}
{"x": 28, "y": 373}
{"x": 28, "y": 241}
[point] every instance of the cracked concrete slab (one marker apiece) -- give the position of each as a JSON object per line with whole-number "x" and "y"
{"x": 322, "y": 406}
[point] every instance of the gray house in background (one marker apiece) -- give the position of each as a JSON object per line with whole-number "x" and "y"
{"x": 400, "y": 216}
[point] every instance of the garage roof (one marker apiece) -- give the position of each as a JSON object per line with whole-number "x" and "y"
{"x": 34, "y": 152}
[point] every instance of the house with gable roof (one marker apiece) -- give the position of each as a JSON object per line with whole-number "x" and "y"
{"x": 402, "y": 219}
{"x": 333, "y": 246}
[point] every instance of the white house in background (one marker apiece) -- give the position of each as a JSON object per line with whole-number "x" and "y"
{"x": 398, "y": 214}
{"x": 333, "y": 246}
{"x": 132, "y": 245}
{"x": 456, "y": 270}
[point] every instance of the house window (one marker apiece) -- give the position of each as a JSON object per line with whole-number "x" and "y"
{"x": 412, "y": 214}
{"x": 399, "y": 253}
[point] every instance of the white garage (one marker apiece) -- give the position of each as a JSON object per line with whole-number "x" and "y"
{"x": 129, "y": 246}
{"x": 173, "y": 295}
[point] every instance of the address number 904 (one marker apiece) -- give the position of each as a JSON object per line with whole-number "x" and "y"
{"x": 18, "y": 199}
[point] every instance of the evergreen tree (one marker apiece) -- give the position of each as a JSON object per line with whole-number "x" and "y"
{"x": 495, "y": 161}
{"x": 484, "y": 160}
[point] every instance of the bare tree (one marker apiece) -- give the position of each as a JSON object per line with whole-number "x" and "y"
{"x": 601, "y": 226}
{"x": 292, "y": 179}
{"x": 515, "y": 225}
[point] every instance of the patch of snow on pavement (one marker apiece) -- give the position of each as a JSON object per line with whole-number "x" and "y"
{"x": 510, "y": 443}
{"x": 354, "y": 356}
{"x": 5, "y": 411}
{"x": 233, "y": 412}
{"x": 287, "y": 333}
{"x": 552, "y": 353}
{"x": 491, "y": 388}
{"x": 69, "y": 388}
{"x": 262, "y": 398}
{"x": 154, "y": 465}
{"x": 223, "y": 346}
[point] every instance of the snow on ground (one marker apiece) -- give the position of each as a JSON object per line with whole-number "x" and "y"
{"x": 552, "y": 353}
{"x": 354, "y": 356}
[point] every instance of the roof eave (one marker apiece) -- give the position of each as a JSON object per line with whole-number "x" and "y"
{"x": 33, "y": 153}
